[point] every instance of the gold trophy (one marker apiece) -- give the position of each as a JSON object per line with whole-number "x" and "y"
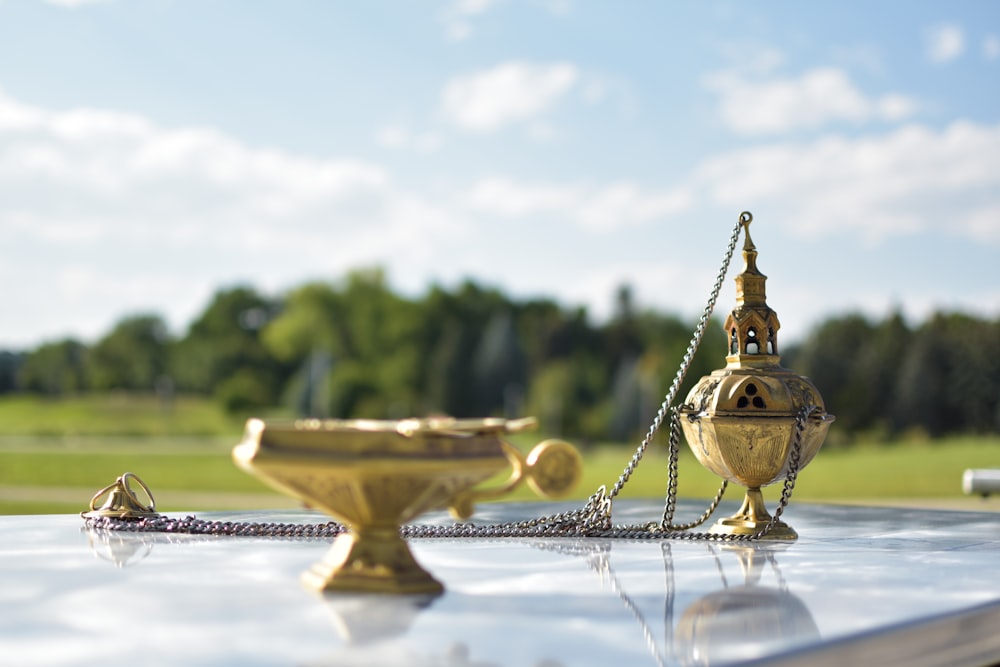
{"x": 374, "y": 476}
{"x": 754, "y": 421}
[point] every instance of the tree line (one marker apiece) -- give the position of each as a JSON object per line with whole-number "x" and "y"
{"x": 941, "y": 377}
{"x": 355, "y": 349}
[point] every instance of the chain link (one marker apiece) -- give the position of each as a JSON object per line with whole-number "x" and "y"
{"x": 671, "y": 501}
{"x": 191, "y": 525}
{"x": 591, "y": 520}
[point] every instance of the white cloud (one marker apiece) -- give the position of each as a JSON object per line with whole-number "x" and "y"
{"x": 625, "y": 204}
{"x": 991, "y": 47}
{"x": 400, "y": 137}
{"x": 604, "y": 208}
{"x": 751, "y": 105}
{"x": 392, "y": 136}
{"x": 74, "y": 4}
{"x": 983, "y": 223}
{"x": 116, "y": 157}
{"x": 108, "y": 208}
{"x": 914, "y": 179}
{"x": 508, "y": 93}
{"x": 761, "y": 62}
{"x": 861, "y": 57}
{"x": 910, "y": 180}
{"x": 558, "y": 7}
{"x": 507, "y": 198}
{"x": 458, "y": 17}
{"x": 183, "y": 210}
{"x": 944, "y": 43}
{"x": 595, "y": 90}
{"x": 473, "y": 7}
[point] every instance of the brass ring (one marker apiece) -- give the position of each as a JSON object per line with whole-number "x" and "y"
{"x": 123, "y": 483}
{"x": 151, "y": 507}
{"x": 100, "y": 494}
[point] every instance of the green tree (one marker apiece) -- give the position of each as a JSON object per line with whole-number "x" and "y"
{"x": 942, "y": 377}
{"x": 133, "y": 356}
{"x": 223, "y": 354}
{"x": 455, "y": 325}
{"x": 10, "y": 365}
{"x": 877, "y": 370}
{"x": 921, "y": 386}
{"x": 623, "y": 341}
{"x": 370, "y": 337}
{"x": 834, "y": 357}
{"x": 55, "y": 368}
{"x": 950, "y": 376}
{"x": 499, "y": 366}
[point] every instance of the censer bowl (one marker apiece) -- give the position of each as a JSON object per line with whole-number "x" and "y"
{"x": 752, "y": 452}
{"x": 744, "y": 431}
{"x": 374, "y": 475}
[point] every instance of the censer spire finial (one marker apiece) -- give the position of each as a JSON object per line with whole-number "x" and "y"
{"x": 749, "y": 249}
{"x": 746, "y": 217}
{"x": 752, "y": 325}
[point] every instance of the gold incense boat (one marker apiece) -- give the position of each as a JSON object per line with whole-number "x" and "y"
{"x": 375, "y": 475}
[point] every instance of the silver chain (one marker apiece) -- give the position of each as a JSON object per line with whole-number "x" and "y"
{"x": 692, "y": 348}
{"x": 574, "y": 523}
{"x": 591, "y": 520}
{"x": 671, "y": 503}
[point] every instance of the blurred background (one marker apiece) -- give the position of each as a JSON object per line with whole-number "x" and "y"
{"x": 487, "y": 207}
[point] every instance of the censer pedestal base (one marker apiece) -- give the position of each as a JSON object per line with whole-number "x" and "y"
{"x": 751, "y": 518}
{"x": 371, "y": 561}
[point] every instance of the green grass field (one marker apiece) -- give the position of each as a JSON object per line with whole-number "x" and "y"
{"x": 115, "y": 414}
{"x": 184, "y": 456}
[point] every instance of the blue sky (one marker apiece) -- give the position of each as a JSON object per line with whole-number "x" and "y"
{"x": 154, "y": 151}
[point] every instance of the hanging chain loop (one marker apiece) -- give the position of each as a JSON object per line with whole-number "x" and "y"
{"x": 668, "y": 401}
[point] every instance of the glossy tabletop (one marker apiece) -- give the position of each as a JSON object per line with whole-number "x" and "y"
{"x": 860, "y": 586}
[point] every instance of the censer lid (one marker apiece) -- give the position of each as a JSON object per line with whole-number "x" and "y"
{"x": 753, "y": 380}
{"x": 752, "y": 325}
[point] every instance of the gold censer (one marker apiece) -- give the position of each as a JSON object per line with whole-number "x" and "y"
{"x": 754, "y": 422}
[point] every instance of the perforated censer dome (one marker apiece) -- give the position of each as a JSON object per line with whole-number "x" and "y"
{"x": 754, "y": 421}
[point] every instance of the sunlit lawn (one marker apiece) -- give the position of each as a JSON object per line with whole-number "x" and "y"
{"x": 47, "y": 474}
{"x": 116, "y": 414}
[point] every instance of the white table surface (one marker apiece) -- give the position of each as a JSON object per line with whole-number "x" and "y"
{"x": 860, "y": 586}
